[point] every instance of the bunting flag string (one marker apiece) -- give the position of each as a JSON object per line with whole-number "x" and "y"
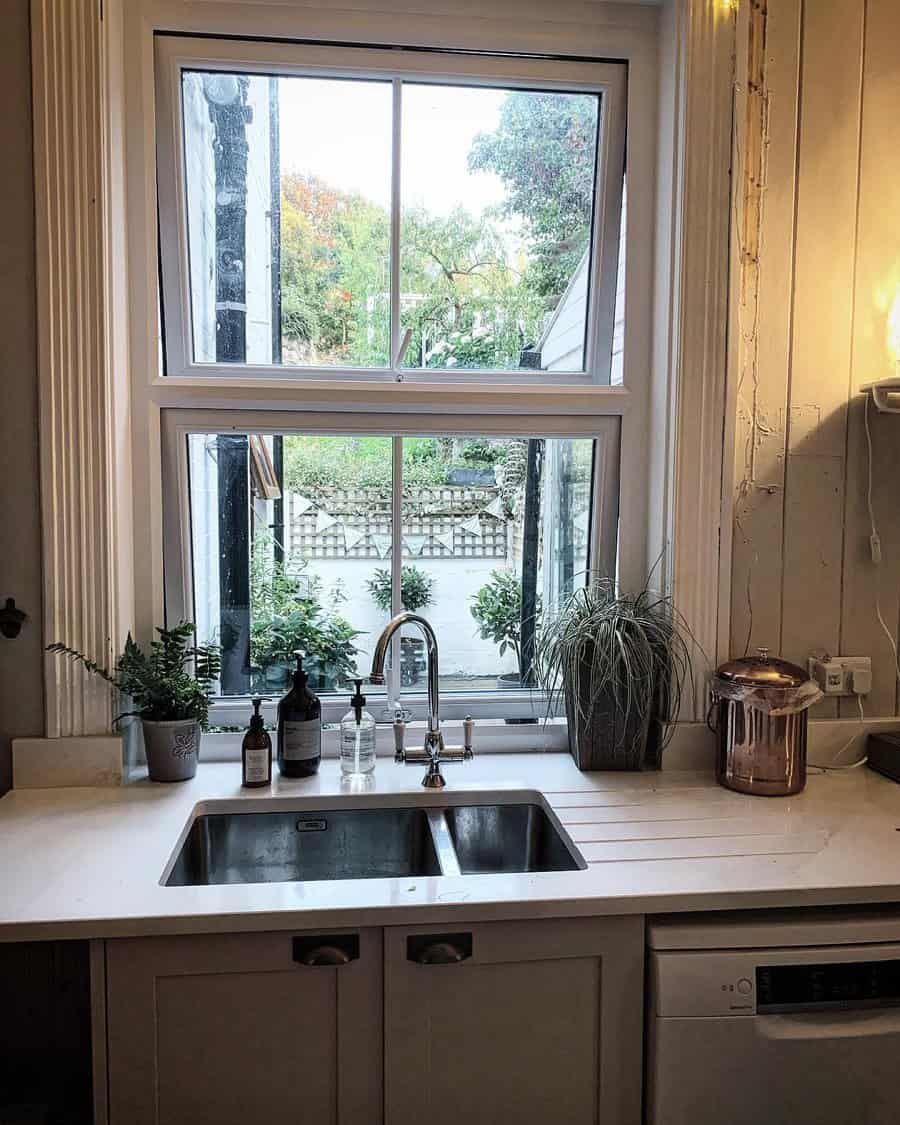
{"x": 352, "y": 537}
{"x": 472, "y": 526}
{"x": 415, "y": 543}
{"x": 446, "y": 539}
{"x": 382, "y": 544}
{"x": 301, "y": 504}
{"x": 324, "y": 521}
{"x": 495, "y": 509}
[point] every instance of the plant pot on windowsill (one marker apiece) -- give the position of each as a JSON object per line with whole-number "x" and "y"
{"x": 620, "y": 661}
{"x": 603, "y": 737}
{"x": 172, "y": 702}
{"x": 172, "y": 748}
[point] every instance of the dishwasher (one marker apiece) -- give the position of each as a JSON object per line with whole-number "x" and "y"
{"x": 774, "y": 1018}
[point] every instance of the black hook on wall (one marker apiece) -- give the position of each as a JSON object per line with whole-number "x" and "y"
{"x": 11, "y": 619}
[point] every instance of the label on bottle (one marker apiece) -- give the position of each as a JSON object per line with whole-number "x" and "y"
{"x": 256, "y": 765}
{"x": 348, "y": 741}
{"x": 301, "y": 741}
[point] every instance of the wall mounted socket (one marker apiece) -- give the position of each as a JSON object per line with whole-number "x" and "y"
{"x": 842, "y": 675}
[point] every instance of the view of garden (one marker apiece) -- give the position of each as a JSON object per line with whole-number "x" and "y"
{"x": 496, "y": 201}
{"x": 479, "y": 276}
{"x": 327, "y": 590}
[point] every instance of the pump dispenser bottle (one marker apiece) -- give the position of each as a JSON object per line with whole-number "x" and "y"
{"x": 357, "y": 736}
{"x": 299, "y": 727}
{"x": 256, "y": 752}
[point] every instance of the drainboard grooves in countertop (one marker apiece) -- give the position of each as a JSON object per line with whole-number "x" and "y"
{"x": 651, "y": 810}
{"x": 608, "y": 798}
{"x": 719, "y": 847}
{"x": 774, "y": 825}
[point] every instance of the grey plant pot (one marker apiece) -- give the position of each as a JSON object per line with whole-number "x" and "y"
{"x": 599, "y": 738}
{"x": 172, "y": 749}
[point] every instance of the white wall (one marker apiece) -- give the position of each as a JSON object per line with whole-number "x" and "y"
{"x": 812, "y": 324}
{"x": 456, "y": 582}
{"x": 562, "y": 346}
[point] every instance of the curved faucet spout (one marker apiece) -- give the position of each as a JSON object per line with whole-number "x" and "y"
{"x": 431, "y": 650}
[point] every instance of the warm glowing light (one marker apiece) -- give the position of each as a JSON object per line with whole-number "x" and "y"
{"x": 893, "y": 330}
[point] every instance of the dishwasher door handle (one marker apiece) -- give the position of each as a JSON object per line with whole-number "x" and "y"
{"x": 858, "y": 1024}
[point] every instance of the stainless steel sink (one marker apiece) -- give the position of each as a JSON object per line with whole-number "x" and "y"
{"x": 440, "y": 837}
{"x": 510, "y": 838}
{"x": 284, "y": 847}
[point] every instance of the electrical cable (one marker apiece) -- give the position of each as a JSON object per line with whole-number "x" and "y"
{"x": 843, "y": 750}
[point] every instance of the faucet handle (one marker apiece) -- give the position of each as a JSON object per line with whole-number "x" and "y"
{"x": 399, "y": 737}
{"x": 468, "y": 736}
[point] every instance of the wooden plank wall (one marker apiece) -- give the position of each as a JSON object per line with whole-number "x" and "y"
{"x": 817, "y": 267}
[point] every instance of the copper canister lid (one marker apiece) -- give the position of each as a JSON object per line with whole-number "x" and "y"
{"x": 763, "y": 671}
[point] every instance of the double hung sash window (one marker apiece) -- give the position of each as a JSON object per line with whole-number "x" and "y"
{"x": 348, "y": 215}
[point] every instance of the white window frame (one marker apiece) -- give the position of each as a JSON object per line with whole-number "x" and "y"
{"x": 98, "y": 333}
{"x": 602, "y": 536}
{"x": 175, "y": 55}
{"x": 626, "y": 35}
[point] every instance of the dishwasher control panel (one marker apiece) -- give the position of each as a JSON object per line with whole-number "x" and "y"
{"x": 844, "y": 984}
{"x": 747, "y": 982}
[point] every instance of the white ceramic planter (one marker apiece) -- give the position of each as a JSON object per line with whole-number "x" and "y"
{"x": 172, "y": 749}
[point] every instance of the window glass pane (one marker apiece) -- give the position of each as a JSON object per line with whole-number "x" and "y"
{"x": 497, "y": 192}
{"x": 495, "y": 533}
{"x": 288, "y": 183}
{"x": 290, "y": 537}
{"x": 291, "y": 548}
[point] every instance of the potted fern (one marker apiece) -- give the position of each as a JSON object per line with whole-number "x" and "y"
{"x": 620, "y": 662}
{"x": 169, "y": 686}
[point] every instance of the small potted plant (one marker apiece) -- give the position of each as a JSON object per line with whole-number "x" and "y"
{"x": 620, "y": 661}
{"x": 497, "y": 607}
{"x": 169, "y": 686}
{"x": 416, "y": 592}
{"x": 416, "y": 588}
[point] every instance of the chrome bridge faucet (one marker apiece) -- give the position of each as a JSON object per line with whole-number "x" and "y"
{"x": 434, "y": 752}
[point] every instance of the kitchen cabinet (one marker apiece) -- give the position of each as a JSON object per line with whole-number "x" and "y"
{"x": 530, "y": 1021}
{"x": 245, "y": 1028}
{"x": 535, "y": 1022}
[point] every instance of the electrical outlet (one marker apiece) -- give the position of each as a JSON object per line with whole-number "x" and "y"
{"x": 842, "y": 675}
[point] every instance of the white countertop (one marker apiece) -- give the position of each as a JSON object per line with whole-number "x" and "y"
{"x": 88, "y": 862}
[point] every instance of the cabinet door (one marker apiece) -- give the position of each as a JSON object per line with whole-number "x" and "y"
{"x": 245, "y": 1028}
{"x": 535, "y": 1022}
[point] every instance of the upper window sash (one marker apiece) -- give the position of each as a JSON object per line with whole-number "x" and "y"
{"x": 175, "y": 56}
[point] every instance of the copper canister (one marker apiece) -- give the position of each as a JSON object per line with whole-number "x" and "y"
{"x": 762, "y": 706}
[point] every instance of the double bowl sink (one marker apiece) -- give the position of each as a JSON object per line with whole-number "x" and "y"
{"x": 459, "y": 835}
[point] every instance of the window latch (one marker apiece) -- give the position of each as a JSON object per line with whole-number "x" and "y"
{"x": 401, "y": 352}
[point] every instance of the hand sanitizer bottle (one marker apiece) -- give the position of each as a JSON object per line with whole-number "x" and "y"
{"x": 357, "y": 736}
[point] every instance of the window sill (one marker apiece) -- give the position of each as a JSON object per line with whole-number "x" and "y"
{"x": 492, "y": 736}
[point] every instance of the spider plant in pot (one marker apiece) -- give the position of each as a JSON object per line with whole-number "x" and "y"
{"x": 620, "y": 662}
{"x": 169, "y": 686}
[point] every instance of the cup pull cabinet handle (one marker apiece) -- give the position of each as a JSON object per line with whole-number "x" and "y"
{"x": 438, "y": 949}
{"x": 330, "y": 950}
